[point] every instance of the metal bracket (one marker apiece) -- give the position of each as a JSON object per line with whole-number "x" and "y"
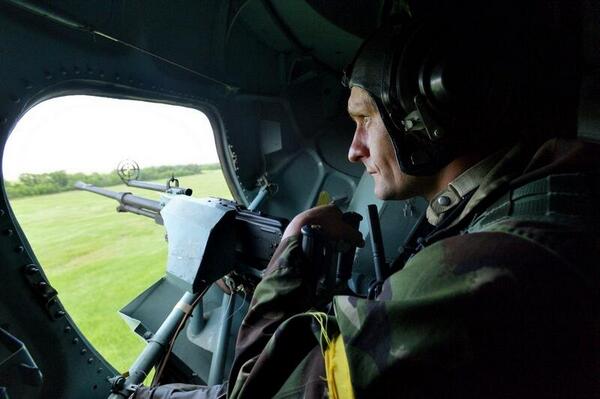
{"x": 423, "y": 119}
{"x": 46, "y": 295}
{"x": 266, "y": 190}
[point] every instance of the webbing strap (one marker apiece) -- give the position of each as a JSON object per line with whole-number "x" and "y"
{"x": 337, "y": 370}
{"x": 339, "y": 384}
{"x": 565, "y": 198}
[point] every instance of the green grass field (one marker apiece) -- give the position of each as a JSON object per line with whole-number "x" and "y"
{"x": 99, "y": 260}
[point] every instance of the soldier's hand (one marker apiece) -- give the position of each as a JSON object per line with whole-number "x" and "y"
{"x": 329, "y": 217}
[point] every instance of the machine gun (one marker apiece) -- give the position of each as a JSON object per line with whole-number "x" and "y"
{"x": 207, "y": 239}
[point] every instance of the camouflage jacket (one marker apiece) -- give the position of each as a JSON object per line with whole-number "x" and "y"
{"x": 501, "y": 302}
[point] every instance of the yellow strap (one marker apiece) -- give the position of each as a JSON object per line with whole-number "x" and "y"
{"x": 337, "y": 370}
{"x": 336, "y": 361}
{"x": 324, "y": 198}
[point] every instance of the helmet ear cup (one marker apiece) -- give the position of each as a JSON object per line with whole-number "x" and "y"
{"x": 410, "y": 118}
{"x": 400, "y": 84}
{"x": 443, "y": 85}
{"x": 411, "y": 60}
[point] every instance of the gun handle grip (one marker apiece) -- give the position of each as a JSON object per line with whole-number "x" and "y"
{"x": 353, "y": 219}
{"x": 346, "y": 259}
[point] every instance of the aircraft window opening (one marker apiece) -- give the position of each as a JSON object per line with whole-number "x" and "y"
{"x": 97, "y": 259}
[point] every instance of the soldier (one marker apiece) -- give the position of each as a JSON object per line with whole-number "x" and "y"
{"x": 498, "y": 296}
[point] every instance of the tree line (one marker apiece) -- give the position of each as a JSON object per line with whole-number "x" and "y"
{"x": 30, "y": 184}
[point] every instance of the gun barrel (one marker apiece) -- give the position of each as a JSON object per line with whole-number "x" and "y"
{"x": 126, "y": 199}
{"x": 139, "y": 202}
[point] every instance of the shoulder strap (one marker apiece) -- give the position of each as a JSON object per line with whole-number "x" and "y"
{"x": 560, "y": 199}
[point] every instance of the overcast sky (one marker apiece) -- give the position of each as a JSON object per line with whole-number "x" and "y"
{"x": 92, "y": 134}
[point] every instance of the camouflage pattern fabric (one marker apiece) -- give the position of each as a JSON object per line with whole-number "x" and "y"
{"x": 503, "y": 307}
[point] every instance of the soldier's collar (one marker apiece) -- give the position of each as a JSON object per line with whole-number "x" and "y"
{"x": 459, "y": 188}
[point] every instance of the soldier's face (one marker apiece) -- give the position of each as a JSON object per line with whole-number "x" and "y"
{"x": 372, "y": 145}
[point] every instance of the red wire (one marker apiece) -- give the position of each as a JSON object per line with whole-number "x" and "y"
{"x": 163, "y": 362}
